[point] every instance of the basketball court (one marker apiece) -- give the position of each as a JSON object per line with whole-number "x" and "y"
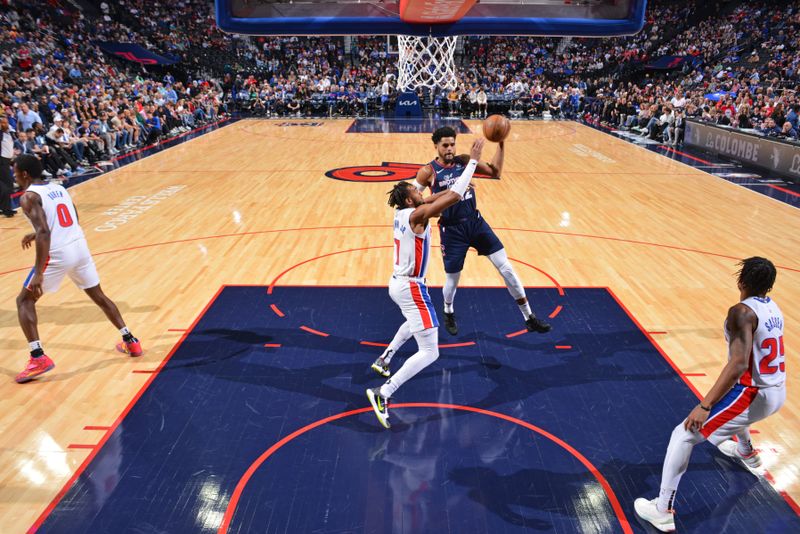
{"x": 253, "y": 260}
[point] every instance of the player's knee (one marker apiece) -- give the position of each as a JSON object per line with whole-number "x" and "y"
{"x": 431, "y": 355}
{"x": 680, "y": 434}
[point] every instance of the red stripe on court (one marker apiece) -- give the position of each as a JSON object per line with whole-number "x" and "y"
{"x": 315, "y": 332}
{"x": 783, "y": 189}
{"x": 742, "y": 403}
{"x": 684, "y": 154}
{"x": 656, "y": 333}
{"x": 517, "y": 333}
{"x": 81, "y": 468}
{"x": 454, "y": 345}
{"x": 97, "y": 428}
{"x": 420, "y": 303}
{"x": 80, "y": 446}
{"x": 556, "y": 311}
{"x": 272, "y": 345}
{"x": 144, "y": 371}
{"x": 277, "y": 311}
{"x": 176, "y": 330}
{"x": 693, "y": 374}
{"x": 373, "y": 344}
{"x": 563, "y": 347}
{"x": 555, "y": 282}
{"x": 248, "y": 474}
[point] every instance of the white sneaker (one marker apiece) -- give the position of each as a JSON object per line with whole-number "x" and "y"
{"x": 647, "y": 510}
{"x": 731, "y": 448}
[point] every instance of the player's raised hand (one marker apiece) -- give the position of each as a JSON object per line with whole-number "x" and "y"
{"x": 477, "y": 148}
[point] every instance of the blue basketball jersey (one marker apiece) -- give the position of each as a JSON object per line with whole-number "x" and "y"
{"x": 444, "y": 178}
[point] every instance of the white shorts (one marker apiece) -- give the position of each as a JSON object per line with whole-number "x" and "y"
{"x": 740, "y": 408}
{"x": 74, "y": 260}
{"x": 411, "y": 295}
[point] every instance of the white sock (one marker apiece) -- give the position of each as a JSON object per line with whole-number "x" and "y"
{"x": 124, "y": 331}
{"x": 525, "y": 309}
{"x": 35, "y": 345}
{"x": 745, "y": 446}
{"x": 428, "y": 343}
{"x": 449, "y": 290}
{"x": 402, "y": 335}
{"x": 676, "y": 461}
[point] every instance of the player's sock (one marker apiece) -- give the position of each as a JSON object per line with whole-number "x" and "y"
{"x": 525, "y": 309}
{"x": 666, "y": 497}
{"x": 127, "y": 336}
{"x": 428, "y": 341}
{"x": 36, "y": 349}
{"x": 449, "y": 290}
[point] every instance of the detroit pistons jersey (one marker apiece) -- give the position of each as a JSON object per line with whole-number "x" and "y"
{"x": 411, "y": 251}
{"x": 766, "y": 365}
{"x": 444, "y": 177}
{"x": 62, "y": 220}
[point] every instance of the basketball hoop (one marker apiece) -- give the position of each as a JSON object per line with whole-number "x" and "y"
{"x": 426, "y": 62}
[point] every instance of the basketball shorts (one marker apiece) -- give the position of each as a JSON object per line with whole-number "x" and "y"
{"x": 458, "y": 238}
{"x": 741, "y": 407}
{"x": 411, "y": 295}
{"x": 73, "y": 260}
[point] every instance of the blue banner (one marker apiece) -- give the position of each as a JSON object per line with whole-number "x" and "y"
{"x": 672, "y": 62}
{"x": 407, "y": 105}
{"x": 134, "y": 52}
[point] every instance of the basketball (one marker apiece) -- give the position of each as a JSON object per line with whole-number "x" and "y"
{"x": 496, "y": 128}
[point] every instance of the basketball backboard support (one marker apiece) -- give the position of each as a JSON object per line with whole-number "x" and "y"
{"x": 580, "y": 18}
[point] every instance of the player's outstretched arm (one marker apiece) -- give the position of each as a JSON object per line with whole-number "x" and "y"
{"x": 493, "y": 169}
{"x": 741, "y": 323}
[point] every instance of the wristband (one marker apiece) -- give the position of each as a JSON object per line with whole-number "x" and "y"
{"x": 704, "y": 408}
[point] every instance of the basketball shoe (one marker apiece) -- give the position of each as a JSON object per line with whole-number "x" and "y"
{"x": 730, "y": 448}
{"x": 380, "y": 405}
{"x": 133, "y": 348}
{"x": 381, "y": 367}
{"x": 534, "y": 324}
{"x": 450, "y": 323}
{"x": 647, "y": 510}
{"x": 36, "y": 366}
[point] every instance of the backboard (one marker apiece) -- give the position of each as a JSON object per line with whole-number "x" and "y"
{"x": 437, "y": 18}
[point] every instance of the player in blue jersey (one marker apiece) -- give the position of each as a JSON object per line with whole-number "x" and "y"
{"x": 462, "y": 226}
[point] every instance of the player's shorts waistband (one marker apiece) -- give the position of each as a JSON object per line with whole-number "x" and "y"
{"x": 403, "y": 278}
{"x": 453, "y": 222}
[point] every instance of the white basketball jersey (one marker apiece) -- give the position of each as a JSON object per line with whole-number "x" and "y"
{"x": 766, "y": 367}
{"x": 60, "y": 214}
{"x": 411, "y": 251}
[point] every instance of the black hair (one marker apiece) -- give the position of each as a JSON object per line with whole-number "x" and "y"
{"x": 444, "y": 131}
{"x": 399, "y": 194}
{"x": 757, "y": 275}
{"x": 30, "y": 164}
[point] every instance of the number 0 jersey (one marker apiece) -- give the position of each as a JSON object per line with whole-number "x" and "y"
{"x": 411, "y": 251}
{"x": 62, "y": 220}
{"x": 766, "y": 365}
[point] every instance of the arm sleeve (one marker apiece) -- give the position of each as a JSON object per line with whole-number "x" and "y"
{"x": 462, "y": 183}
{"x": 419, "y": 187}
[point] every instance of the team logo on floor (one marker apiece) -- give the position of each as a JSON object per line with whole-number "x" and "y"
{"x": 385, "y": 172}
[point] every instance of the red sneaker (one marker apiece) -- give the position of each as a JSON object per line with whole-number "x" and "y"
{"x": 134, "y": 348}
{"x": 35, "y": 367}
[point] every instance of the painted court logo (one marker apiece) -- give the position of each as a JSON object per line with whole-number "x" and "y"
{"x": 385, "y": 172}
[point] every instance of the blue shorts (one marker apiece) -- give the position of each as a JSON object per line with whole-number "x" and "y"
{"x": 457, "y": 238}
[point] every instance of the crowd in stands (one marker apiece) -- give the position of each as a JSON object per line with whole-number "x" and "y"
{"x": 73, "y": 105}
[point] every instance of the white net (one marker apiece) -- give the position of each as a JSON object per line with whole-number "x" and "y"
{"x": 426, "y": 62}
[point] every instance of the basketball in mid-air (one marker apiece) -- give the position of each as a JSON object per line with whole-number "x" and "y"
{"x": 496, "y": 128}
